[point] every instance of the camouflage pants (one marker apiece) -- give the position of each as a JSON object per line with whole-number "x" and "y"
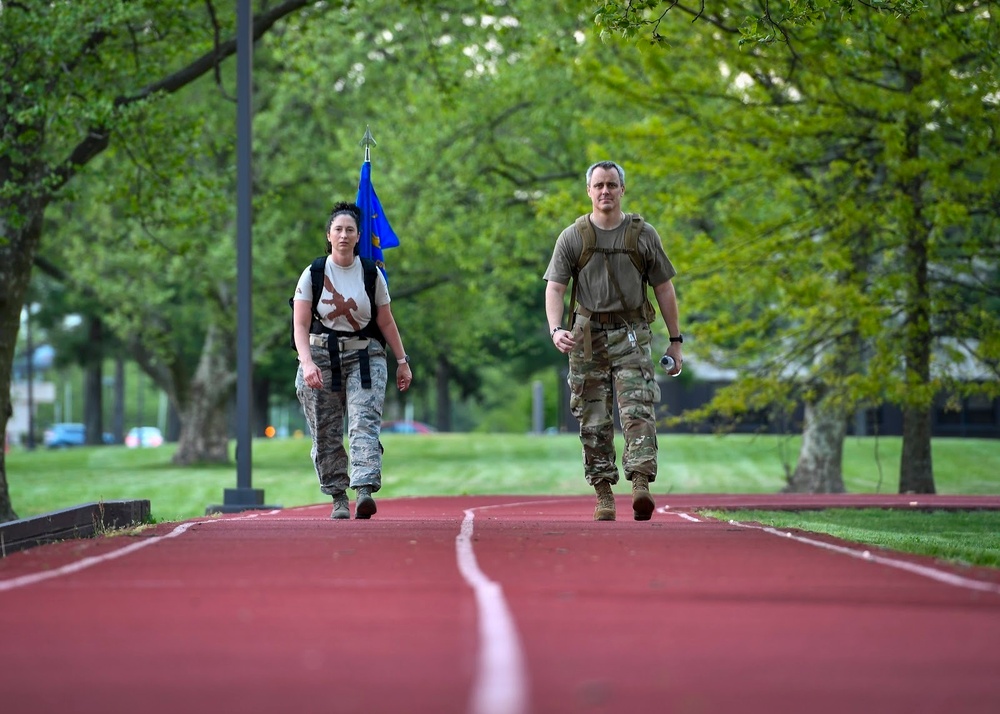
{"x": 615, "y": 367}
{"x": 325, "y": 410}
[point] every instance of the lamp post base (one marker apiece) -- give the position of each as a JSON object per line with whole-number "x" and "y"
{"x": 236, "y": 500}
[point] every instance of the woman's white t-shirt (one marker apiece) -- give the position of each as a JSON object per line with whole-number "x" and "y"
{"x": 343, "y": 303}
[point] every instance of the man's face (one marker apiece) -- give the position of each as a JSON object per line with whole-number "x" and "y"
{"x": 605, "y": 191}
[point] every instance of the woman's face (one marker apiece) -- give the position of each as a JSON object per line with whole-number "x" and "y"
{"x": 343, "y": 234}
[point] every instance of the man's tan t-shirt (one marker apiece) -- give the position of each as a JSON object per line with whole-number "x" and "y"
{"x": 594, "y": 288}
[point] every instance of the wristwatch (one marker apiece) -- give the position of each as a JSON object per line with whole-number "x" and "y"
{"x": 679, "y": 338}
{"x": 405, "y": 359}
{"x": 555, "y": 330}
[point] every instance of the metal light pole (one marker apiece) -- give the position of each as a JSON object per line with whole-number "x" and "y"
{"x": 243, "y": 497}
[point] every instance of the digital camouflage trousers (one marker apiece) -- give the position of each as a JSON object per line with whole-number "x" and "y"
{"x": 326, "y": 410}
{"x": 617, "y": 367}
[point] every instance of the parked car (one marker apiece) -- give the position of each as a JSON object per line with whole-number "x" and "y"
{"x": 407, "y": 427}
{"x": 143, "y": 436}
{"x": 64, "y": 435}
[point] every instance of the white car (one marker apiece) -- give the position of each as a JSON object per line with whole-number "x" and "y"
{"x": 143, "y": 436}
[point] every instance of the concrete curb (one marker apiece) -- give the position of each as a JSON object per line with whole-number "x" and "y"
{"x": 82, "y": 521}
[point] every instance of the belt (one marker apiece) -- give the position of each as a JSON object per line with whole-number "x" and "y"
{"x": 613, "y": 320}
{"x": 344, "y": 343}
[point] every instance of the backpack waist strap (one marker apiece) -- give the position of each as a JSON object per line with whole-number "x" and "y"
{"x": 343, "y": 343}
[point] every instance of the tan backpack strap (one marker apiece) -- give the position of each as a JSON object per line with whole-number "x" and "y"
{"x": 636, "y": 223}
{"x": 632, "y": 246}
{"x": 586, "y": 230}
{"x": 581, "y": 331}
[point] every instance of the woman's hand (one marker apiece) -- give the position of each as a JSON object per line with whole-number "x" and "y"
{"x": 403, "y": 376}
{"x": 311, "y": 375}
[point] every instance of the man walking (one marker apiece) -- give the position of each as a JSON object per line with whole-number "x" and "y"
{"x": 611, "y": 257}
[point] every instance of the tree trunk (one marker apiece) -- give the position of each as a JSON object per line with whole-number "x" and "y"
{"x": 204, "y": 434}
{"x": 21, "y": 225}
{"x": 118, "y": 427}
{"x": 819, "y": 469}
{"x": 916, "y": 473}
{"x": 93, "y": 403}
{"x": 261, "y": 406}
{"x": 916, "y": 470}
{"x": 93, "y": 384}
{"x": 442, "y": 380}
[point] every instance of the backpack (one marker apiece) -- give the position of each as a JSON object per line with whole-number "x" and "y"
{"x": 370, "y": 330}
{"x": 586, "y": 229}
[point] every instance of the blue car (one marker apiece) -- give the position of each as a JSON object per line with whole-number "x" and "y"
{"x": 61, "y": 436}
{"x": 66, "y": 434}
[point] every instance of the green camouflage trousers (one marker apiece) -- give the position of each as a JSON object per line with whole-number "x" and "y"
{"x": 325, "y": 410}
{"x": 618, "y": 367}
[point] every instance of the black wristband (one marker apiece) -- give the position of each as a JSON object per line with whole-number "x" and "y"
{"x": 679, "y": 338}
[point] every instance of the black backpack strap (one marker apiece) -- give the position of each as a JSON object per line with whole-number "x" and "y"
{"x": 371, "y": 330}
{"x": 369, "y": 268}
{"x": 317, "y": 269}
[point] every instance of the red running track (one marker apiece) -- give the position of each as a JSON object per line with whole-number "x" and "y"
{"x": 493, "y": 605}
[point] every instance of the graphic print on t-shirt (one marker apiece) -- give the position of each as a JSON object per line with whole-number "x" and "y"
{"x": 341, "y": 307}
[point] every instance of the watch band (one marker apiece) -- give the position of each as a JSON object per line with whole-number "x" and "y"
{"x": 679, "y": 338}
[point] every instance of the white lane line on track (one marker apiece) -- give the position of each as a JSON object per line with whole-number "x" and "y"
{"x": 79, "y": 565}
{"x": 500, "y": 686}
{"x": 940, "y": 576}
{"x": 665, "y": 510}
{"x": 923, "y": 570}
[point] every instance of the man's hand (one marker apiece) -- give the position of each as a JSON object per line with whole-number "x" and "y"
{"x": 563, "y": 340}
{"x": 675, "y": 351}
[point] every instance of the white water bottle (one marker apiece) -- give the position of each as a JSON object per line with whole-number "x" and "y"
{"x": 667, "y": 362}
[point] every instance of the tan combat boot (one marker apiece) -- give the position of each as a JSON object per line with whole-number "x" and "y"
{"x": 605, "y": 510}
{"x": 642, "y": 502}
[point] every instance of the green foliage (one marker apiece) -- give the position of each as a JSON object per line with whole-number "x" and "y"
{"x": 759, "y": 24}
{"x": 802, "y": 184}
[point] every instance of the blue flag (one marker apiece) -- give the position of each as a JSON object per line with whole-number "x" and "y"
{"x": 376, "y": 233}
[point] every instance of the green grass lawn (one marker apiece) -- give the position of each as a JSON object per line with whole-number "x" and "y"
{"x": 965, "y": 537}
{"x": 453, "y": 464}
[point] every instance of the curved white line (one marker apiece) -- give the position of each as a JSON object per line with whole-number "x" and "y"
{"x": 501, "y": 685}
{"x": 88, "y": 562}
{"x": 939, "y": 575}
{"x": 79, "y": 565}
{"x": 665, "y": 510}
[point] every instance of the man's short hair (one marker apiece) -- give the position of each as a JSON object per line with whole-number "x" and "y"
{"x": 607, "y": 166}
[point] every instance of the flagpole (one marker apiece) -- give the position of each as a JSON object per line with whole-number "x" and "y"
{"x": 367, "y": 141}
{"x": 376, "y": 233}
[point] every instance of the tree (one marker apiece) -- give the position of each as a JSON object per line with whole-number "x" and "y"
{"x": 466, "y": 149}
{"x": 73, "y": 74}
{"x": 829, "y": 185}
